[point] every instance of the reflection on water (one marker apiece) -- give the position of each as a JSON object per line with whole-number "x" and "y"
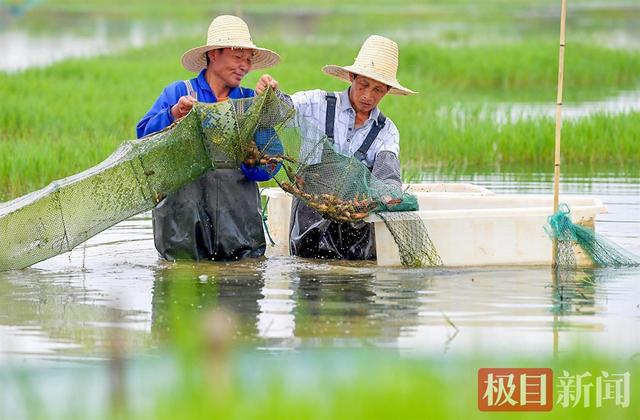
{"x": 23, "y": 46}
{"x": 182, "y": 289}
{"x": 623, "y": 103}
{"x": 68, "y": 307}
{"x": 46, "y": 35}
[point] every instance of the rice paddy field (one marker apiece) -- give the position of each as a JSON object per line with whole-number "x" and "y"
{"x": 303, "y": 338}
{"x": 467, "y": 64}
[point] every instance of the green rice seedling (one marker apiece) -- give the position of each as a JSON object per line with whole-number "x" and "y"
{"x": 60, "y": 120}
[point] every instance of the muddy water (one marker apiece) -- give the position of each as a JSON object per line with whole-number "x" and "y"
{"x": 68, "y": 308}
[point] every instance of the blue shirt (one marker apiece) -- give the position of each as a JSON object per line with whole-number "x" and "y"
{"x": 159, "y": 116}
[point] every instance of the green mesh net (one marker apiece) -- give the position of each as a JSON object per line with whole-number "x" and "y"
{"x": 263, "y": 131}
{"x": 601, "y": 251}
{"x": 414, "y": 244}
{"x": 132, "y": 180}
{"x": 343, "y": 189}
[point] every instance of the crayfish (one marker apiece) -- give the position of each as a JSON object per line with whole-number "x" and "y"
{"x": 330, "y": 205}
{"x": 253, "y": 156}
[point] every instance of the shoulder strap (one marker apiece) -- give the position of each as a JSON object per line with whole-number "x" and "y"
{"x": 361, "y": 153}
{"x": 190, "y": 90}
{"x": 331, "y": 115}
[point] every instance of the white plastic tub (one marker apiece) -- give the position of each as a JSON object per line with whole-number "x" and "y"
{"x": 469, "y": 225}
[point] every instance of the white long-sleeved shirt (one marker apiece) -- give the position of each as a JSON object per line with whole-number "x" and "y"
{"x": 311, "y": 106}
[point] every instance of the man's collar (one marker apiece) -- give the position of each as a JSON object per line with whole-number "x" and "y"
{"x": 202, "y": 81}
{"x": 345, "y": 104}
{"x": 234, "y": 93}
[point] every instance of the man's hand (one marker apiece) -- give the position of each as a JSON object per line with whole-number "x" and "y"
{"x": 182, "y": 108}
{"x": 264, "y": 82}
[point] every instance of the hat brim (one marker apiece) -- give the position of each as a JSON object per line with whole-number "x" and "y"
{"x": 342, "y": 73}
{"x": 194, "y": 60}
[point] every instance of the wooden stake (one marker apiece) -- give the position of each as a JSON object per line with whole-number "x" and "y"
{"x": 556, "y": 172}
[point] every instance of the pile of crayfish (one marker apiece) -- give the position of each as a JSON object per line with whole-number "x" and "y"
{"x": 331, "y": 206}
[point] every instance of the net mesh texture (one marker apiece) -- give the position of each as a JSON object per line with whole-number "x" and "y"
{"x": 342, "y": 188}
{"x": 263, "y": 131}
{"x": 601, "y": 251}
{"x": 134, "y": 179}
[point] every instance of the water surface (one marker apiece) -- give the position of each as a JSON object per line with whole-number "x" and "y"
{"x": 34, "y": 35}
{"x": 27, "y": 42}
{"x": 68, "y": 307}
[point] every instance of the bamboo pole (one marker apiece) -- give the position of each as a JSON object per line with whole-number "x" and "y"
{"x": 239, "y": 8}
{"x": 556, "y": 171}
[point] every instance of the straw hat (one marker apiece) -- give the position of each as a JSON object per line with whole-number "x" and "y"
{"x": 377, "y": 60}
{"x": 228, "y": 32}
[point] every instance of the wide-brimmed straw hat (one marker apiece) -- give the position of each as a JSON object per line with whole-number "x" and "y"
{"x": 228, "y": 31}
{"x": 377, "y": 60}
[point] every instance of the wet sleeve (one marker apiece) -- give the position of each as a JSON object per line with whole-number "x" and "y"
{"x": 390, "y": 139}
{"x": 386, "y": 168}
{"x": 285, "y": 98}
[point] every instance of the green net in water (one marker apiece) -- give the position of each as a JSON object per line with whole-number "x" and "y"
{"x": 132, "y": 180}
{"x": 601, "y": 251}
{"x": 342, "y": 188}
{"x": 142, "y": 172}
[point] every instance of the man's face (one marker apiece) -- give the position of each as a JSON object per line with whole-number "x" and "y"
{"x": 365, "y": 94}
{"x": 230, "y": 64}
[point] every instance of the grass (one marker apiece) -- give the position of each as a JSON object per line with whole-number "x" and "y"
{"x": 599, "y": 141}
{"x": 57, "y": 121}
{"x": 310, "y": 384}
{"x": 193, "y": 7}
{"x": 358, "y": 385}
{"x": 439, "y": 21}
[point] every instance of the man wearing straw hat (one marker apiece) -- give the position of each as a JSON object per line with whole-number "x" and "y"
{"x": 352, "y": 121}
{"x": 217, "y": 216}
